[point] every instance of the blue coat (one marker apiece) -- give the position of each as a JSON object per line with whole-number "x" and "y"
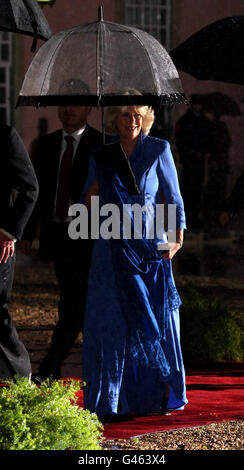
{"x": 131, "y": 346}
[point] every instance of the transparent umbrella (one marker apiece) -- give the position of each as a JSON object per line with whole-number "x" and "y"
{"x": 24, "y": 17}
{"x": 96, "y": 64}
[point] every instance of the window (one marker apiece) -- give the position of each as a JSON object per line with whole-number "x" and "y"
{"x": 5, "y": 66}
{"x": 152, "y": 16}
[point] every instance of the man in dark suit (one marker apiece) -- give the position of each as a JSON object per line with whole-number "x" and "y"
{"x": 194, "y": 141}
{"x": 18, "y": 194}
{"x": 71, "y": 257}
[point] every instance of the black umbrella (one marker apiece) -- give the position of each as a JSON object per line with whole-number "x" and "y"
{"x": 25, "y": 17}
{"x": 216, "y": 52}
{"x": 100, "y": 64}
{"x": 220, "y": 104}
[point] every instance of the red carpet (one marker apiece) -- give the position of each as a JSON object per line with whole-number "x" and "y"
{"x": 215, "y": 394}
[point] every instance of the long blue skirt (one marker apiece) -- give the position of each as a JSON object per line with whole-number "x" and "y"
{"x": 131, "y": 344}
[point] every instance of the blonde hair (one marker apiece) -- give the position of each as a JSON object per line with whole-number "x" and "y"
{"x": 111, "y": 114}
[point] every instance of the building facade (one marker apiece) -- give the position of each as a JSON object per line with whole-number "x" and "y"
{"x": 170, "y": 21}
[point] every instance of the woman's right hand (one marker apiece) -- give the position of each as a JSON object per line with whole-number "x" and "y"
{"x": 173, "y": 248}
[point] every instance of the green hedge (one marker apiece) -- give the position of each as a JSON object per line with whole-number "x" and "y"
{"x": 46, "y": 418}
{"x": 209, "y": 332}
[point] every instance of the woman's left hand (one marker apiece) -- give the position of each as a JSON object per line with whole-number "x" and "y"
{"x": 173, "y": 248}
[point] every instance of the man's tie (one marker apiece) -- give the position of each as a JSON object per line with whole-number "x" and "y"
{"x": 63, "y": 193}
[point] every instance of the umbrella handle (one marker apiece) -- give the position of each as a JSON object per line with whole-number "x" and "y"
{"x": 100, "y": 13}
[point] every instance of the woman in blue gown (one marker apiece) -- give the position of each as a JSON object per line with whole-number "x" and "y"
{"x": 132, "y": 361}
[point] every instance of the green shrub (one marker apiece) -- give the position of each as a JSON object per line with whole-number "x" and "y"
{"x": 209, "y": 332}
{"x": 46, "y": 418}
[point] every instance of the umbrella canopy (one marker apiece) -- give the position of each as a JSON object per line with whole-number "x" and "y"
{"x": 99, "y": 64}
{"x": 25, "y": 17}
{"x": 216, "y": 52}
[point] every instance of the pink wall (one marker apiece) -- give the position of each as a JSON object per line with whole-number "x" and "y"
{"x": 190, "y": 15}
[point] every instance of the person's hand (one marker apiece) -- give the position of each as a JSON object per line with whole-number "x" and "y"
{"x": 173, "y": 248}
{"x": 25, "y": 247}
{"x": 224, "y": 218}
{"x": 6, "y": 247}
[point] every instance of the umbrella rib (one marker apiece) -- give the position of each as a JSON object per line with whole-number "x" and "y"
{"x": 98, "y": 60}
{"x": 127, "y": 30}
{"x": 35, "y": 24}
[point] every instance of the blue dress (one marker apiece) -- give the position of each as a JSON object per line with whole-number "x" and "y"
{"x": 131, "y": 344}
